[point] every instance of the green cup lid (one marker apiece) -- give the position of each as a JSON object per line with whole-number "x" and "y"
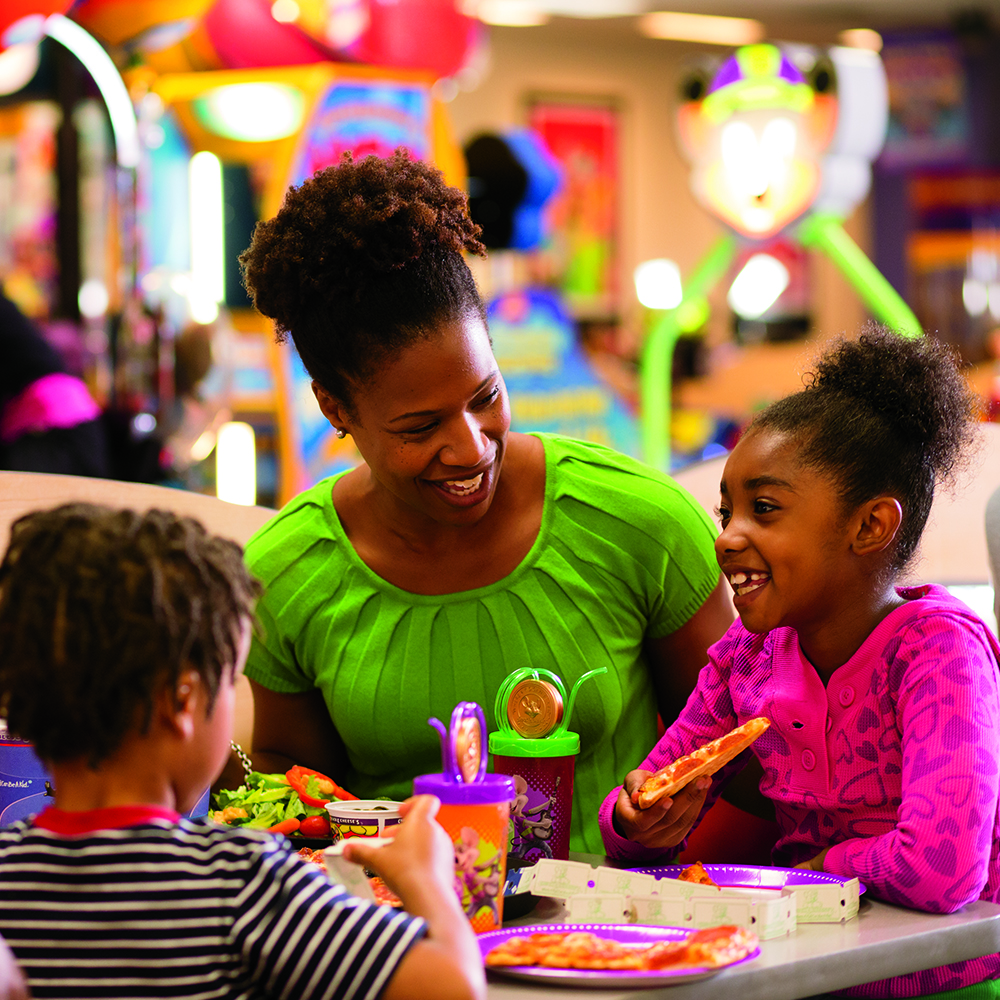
{"x": 559, "y": 744}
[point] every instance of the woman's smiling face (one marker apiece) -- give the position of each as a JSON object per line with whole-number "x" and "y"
{"x": 432, "y": 424}
{"x": 785, "y": 543}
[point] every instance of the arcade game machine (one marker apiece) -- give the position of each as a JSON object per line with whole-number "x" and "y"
{"x": 236, "y": 102}
{"x": 780, "y": 141}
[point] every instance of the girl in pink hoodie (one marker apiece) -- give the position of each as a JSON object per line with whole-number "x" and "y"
{"x": 883, "y": 755}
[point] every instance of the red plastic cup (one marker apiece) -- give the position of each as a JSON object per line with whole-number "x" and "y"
{"x": 542, "y": 807}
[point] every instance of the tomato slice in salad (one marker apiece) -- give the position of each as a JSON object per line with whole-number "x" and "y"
{"x": 315, "y": 789}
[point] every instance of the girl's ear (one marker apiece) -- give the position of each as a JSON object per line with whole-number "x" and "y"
{"x": 879, "y": 523}
{"x": 333, "y": 409}
{"x": 178, "y": 705}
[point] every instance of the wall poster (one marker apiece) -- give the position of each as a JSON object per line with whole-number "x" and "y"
{"x": 581, "y": 252}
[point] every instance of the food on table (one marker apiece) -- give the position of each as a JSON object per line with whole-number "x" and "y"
{"x": 717, "y": 946}
{"x": 363, "y": 817}
{"x": 384, "y": 896}
{"x": 315, "y": 789}
{"x": 705, "y": 760}
{"x": 697, "y": 873}
{"x": 293, "y": 803}
{"x": 714, "y": 947}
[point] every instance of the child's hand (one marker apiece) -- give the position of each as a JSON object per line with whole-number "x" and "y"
{"x": 421, "y": 855}
{"x": 816, "y": 863}
{"x": 12, "y": 985}
{"x": 419, "y": 866}
{"x": 666, "y": 822}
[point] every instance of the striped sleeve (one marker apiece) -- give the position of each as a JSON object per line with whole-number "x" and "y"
{"x": 191, "y": 911}
{"x": 304, "y": 938}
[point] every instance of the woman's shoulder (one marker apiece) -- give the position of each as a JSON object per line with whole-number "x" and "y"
{"x": 308, "y": 520}
{"x": 619, "y": 485}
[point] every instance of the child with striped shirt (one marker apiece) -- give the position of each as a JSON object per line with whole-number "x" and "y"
{"x": 121, "y": 638}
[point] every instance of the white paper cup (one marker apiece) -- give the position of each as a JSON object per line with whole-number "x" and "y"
{"x": 362, "y": 818}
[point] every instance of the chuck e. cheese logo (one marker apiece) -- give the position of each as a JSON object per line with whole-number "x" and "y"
{"x": 354, "y": 828}
{"x": 755, "y": 132}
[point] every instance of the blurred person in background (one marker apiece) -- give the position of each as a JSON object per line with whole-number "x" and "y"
{"x": 49, "y": 421}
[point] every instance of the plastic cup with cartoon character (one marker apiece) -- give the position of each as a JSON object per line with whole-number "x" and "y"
{"x": 362, "y": 818}
{"x": 534, "y": 747}
{"x": 474, "y": 810}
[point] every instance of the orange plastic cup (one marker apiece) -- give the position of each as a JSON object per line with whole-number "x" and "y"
{"x": 475, "y": 815}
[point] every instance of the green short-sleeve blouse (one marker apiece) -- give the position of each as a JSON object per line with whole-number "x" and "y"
{"x": 623, "y": 553}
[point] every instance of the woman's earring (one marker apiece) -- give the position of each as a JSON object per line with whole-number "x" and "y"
{"x": 341, "y": 433}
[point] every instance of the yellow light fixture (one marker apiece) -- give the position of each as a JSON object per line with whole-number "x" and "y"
{"x": 236, "y": 464}
{"x": 208, "y": 240}
{"x": 251, "y": 112}
{"x": 658, "y": 284}
{"x": 511, "y": 13}
{"x": 707, "y": 28}
{"x": 861, "y": 38}
{"x": 758, "y": 286}
{"x": 285, "y": 11}
{"x": 18, "y": 65}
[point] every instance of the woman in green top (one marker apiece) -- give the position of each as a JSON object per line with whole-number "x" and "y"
{"x": 459, "y": 551}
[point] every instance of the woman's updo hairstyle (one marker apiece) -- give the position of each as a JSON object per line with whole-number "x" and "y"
{"x": 885, "y": 415}
{"x": 361, "y": 259}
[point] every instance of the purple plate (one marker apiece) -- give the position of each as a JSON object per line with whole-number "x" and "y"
{"x": 752, "y": 876}
{"x": 623, "y": 934}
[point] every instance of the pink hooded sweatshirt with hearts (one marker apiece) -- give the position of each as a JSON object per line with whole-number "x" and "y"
{"x": 895, "y": 764}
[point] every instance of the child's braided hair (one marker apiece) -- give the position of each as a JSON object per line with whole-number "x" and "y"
{"x": 100, "y": 610}
{"x": 362, "y": 259}
{"x": 884, "y": 415}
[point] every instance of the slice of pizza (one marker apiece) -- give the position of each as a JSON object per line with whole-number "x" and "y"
{"x": 697, "y": 873}
{"x": 519, "y": 950}
{"x": 717, "y": 946}
{"x": 705, "y": 760}
{"x": 710, "y": 948}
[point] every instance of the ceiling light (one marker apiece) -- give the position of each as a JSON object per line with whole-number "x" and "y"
{"x": 594, "y": 8}
{"x": 701, "y": 28}
{"x": 861, "y": 38}
{"x": 511, "y": 13}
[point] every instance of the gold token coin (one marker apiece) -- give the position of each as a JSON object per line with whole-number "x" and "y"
{"x": 468, "y": 748}
{"x": 534, "y": 708}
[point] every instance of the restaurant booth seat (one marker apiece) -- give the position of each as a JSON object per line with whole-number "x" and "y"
{"x": 23, "y": 492}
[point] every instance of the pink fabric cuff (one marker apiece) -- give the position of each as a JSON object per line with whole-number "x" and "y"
{"x": 56, "y": 400}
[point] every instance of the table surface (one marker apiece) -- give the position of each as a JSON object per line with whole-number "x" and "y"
{"x": 881, "y": 941}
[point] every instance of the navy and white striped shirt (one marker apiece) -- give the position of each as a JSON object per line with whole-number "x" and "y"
{"x": 136, "y": 902}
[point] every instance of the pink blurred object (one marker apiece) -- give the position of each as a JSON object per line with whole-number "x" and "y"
{"x": 55, "y": 400}
{"x": 245, "y": 35}
{"x": 409, "y": 34}
{"x": 417, "y": 34}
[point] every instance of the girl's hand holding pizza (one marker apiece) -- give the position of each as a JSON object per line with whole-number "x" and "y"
{"x": 667, "y": 821}
{"x": 815, "y": 864}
